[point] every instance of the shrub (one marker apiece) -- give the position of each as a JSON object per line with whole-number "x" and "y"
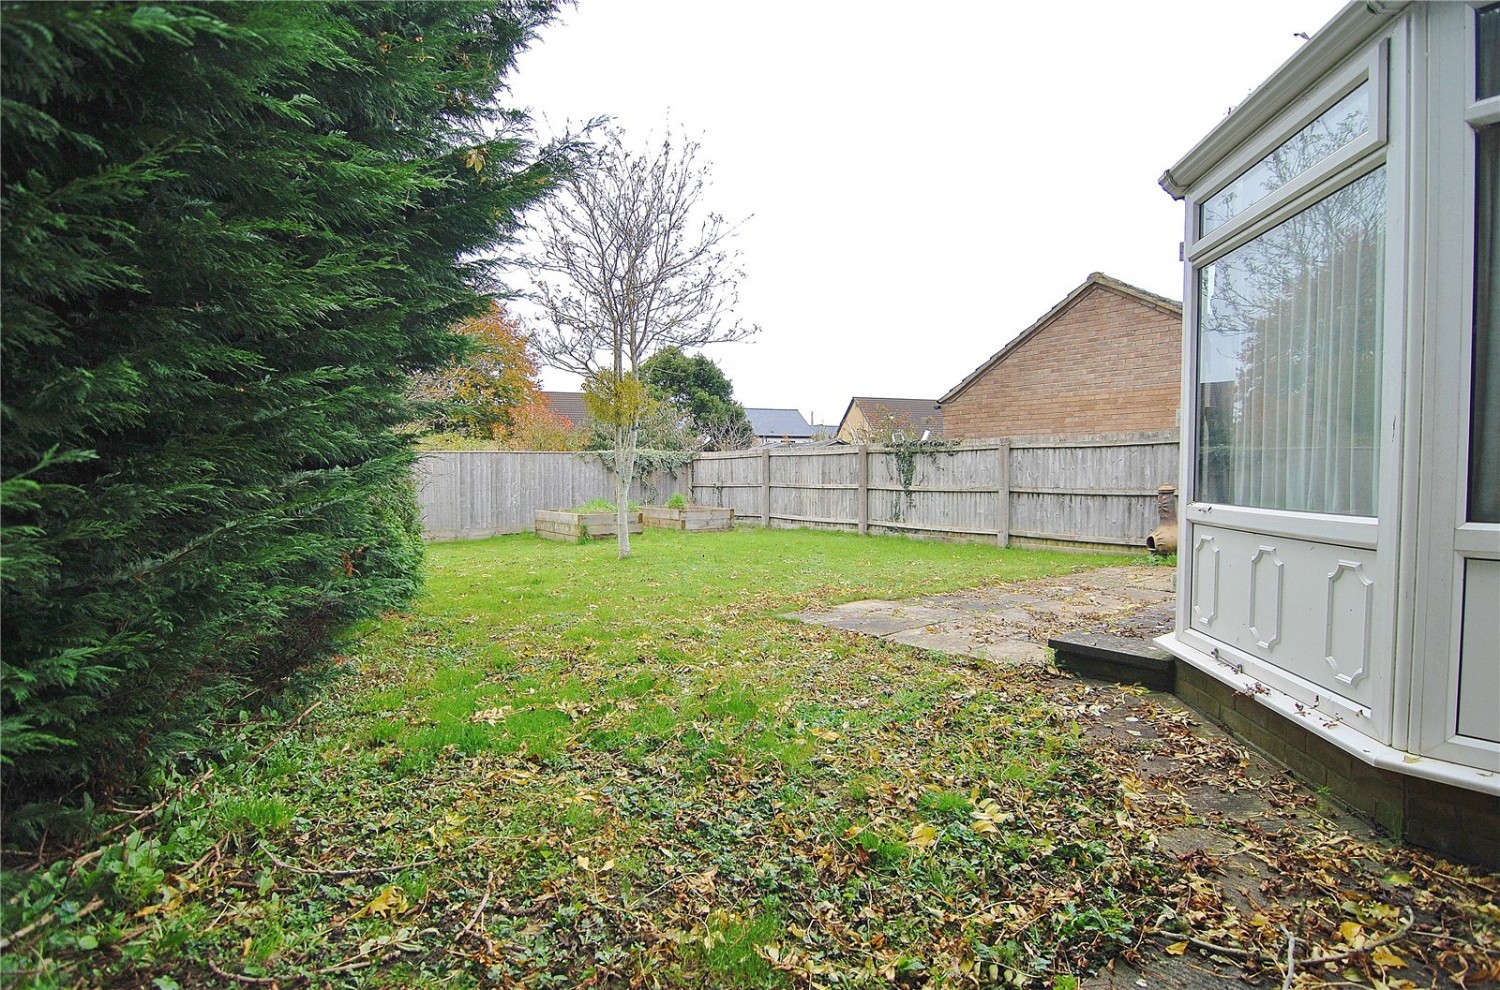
{"x": 232, "y": 231}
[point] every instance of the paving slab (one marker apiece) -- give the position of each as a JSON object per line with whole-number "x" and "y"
{"x": 1006, "y": 624}
{"x": 960, "y": 639}
{"x": 875, "y": 618}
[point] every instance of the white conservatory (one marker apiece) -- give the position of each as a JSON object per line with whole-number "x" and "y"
{"x": 1340, "y": 545}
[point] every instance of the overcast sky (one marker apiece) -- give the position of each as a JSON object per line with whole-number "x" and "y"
{"x": 920, "y": 189}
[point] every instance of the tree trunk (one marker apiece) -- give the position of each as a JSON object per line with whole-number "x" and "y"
{"x": 624, "y": 469}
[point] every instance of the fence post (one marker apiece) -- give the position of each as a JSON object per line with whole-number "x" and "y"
{"x": 1002, "y": 514}
{"x": 687, "y": 479}
{"x": 765, "y": 487}
{"x": 863, "y": 453}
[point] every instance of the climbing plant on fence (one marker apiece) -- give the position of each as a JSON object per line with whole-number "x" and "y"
{"x": 906, "y": 450}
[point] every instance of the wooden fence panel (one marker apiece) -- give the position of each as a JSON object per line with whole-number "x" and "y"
{"x": 818, "y": 489}
{"x": 1096, "y": 491}
{"x": 949, "y": 493}
{"x": 1101, "y": 492}
{"x": 467, "y": 494}
{"x": 729, "y": 481}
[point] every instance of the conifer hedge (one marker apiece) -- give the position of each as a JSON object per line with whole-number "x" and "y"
{"x": 230, "y": 233}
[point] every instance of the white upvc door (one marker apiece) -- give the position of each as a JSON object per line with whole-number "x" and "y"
{"x": 1455, "y": 652}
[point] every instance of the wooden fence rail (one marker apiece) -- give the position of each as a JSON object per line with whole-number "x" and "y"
{"x": 1094, "y": 492}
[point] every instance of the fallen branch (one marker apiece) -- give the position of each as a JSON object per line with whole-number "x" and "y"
{"x": 217, "y": 849}
{"x": 1395, "y": 936}
{"x": 489, "y": 885}
{"x": 350, "y": 967}
{"x": 45, "y": 920}
{"x": 1256, "y": 956}
{"x": 241, "y": 977}
{"x": 365, "y": 871}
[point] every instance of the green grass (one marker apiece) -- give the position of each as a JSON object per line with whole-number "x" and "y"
{"x": 561, "y": 768}
{"x": 597, "y": 743}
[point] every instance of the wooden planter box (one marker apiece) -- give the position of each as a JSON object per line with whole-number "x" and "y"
{"x": 574, "y": 527}
{"x": 693, "y": 519}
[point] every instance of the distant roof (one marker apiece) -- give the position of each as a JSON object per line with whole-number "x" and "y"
{"x": 1097, "y": 279}
{"x": 779, "y": 423}
{"x": 568, "y": 405}
{"x": 920, "y": 414}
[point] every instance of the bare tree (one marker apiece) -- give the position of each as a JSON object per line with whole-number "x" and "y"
{"x": 626, "y": 262}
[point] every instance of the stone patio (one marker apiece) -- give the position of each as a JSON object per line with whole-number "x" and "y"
{"x": 1011, "y": 625}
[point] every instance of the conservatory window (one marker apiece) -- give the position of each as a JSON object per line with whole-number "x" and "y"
{"x": 1336, "y": 127}
{"x": 1290, "y": 329}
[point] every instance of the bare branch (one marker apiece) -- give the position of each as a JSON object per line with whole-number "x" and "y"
{"x": 626, "y": 261}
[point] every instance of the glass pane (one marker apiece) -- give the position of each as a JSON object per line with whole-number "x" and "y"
{"x": 1289, "y": 351}
{"x": 1487, "y": 76}
{"x": 1484, "y": 421}
{"x": 1335, "y": 127}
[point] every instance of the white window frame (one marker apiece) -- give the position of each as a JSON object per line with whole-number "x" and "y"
{"x": 1372, "y": 67}
{"x": 1442, "y": 520}
{"x": 1382, "y": 62}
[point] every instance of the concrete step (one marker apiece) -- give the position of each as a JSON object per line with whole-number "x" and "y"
{"x": 1116, "y": 658}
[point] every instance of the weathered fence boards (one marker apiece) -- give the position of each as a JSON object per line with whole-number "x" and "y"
{"x": 1095, "y": 491}
{"x": 467, "y": 494}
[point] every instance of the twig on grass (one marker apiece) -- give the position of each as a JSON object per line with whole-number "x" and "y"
{"x": 364, "y": 871}
{"x": 489, "y": 885}
{"x": 46, "y": 920}
{"x": 292, "y": 725}
{"x": 349, "y": 967}
{"x": 241, "y": 977}
{"x": 1253, "y": 955}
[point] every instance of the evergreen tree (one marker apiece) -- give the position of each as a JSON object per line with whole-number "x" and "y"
{"x": 699, "y": 387}
{"x": 231, "y": 231}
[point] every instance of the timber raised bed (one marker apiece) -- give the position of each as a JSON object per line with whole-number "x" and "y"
{"x": 693, "y": 518}
{"x": 572, "y": 527}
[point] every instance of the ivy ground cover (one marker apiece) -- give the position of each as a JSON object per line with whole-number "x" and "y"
{"x": 563, "y": 769}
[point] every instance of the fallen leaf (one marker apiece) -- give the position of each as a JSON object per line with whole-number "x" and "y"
{"x": 388, "y": 903}
{"x": 1177, "y": 948}
{"x": 1385, "y": 957}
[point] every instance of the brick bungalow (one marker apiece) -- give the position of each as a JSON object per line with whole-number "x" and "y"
{"x": 868, "y": 418}
{"x": 1107, "y": 359}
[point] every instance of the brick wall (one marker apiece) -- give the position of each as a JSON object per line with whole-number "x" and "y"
{"x": 1109, "y": 364}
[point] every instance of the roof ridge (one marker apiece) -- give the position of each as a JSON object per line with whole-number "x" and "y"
{"x": 1098, "y": 279}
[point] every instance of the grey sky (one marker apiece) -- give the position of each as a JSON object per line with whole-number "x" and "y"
{"x": 922, "y": 184}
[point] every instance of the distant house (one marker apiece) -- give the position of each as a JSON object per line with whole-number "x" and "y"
{"x": 871, "y": 419}
{"x": 568, "y": 405}
{"x": 779, "y": 426}
{"x": 1107, "y": 359}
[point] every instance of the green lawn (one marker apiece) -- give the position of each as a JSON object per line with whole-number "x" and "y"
{"x": 563, "y": 769}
